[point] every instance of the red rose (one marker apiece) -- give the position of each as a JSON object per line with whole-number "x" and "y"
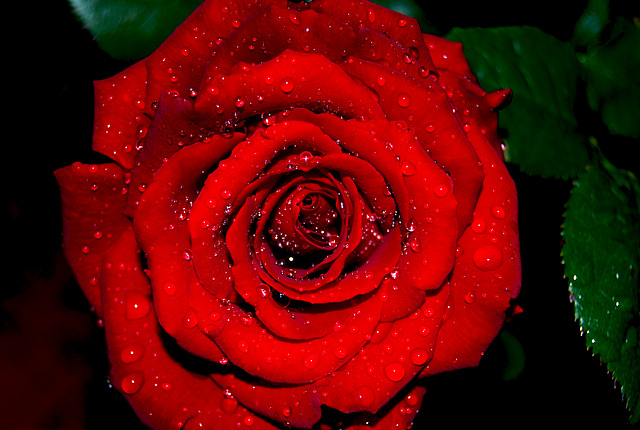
{"x": 307, "y": 205}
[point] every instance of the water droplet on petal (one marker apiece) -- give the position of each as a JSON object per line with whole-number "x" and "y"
{"x": 137, "y": 306}
{"x": 340, "y": 352}
{"x": 371, "y": 15}
{"x": 415, "y": 244}
{"x": 311, "y": 361}
{"x": 229, "y": 404}
{"x": 169, "y": 288}
{"x": 419, "y": 356}
{"x": 470, "y": 297}
{"x": 225, "y": 193}
{"x": 191, "y": 318}
{"x": 132, "y": 383}
{"x": 430, "y": 127}
{"x": 441, "y": 190}
{"x": 286, "y": 85}
{"x": 478, "y": 225}
{"x": 131, "y": 353}
{"x": 487, "y": 257}
{"x": 498, "y": 212}
{"x": 404, "y": 100}
{"x": 408, "y": 168}
{"x": 365, "y": 395}
{"x": 295, "y": 19}
{"x": 243, "y": 346}
{"x": 394, "y": 371}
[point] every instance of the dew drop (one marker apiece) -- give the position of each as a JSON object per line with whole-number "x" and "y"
{"x": 137, "y": 306}
{"x": 365, "y": 395}
{"x": 394, "y": 371}
{"x": 225, "y": 193}
{"x": 243, "y": 346}
{"x": 404, "y": 100}
{"x": 263, "y": 291}
{"x": 415, "y": 244}
{"x": 419, "y": 356}
{"x": 430, "y": 127}
{"x": 132, "y": 383}
{"x": 487, "y": 257}
{"x": 191, "y": 318}
{"x": 381, "y": 80}
{"x": 340, "y": 352}
{"x": 441, "y": 190}
{"x": 295, "y": 19}
{"x": 306, "y": 156}
{"x": 169, "y": 288}
{"x": 371, "y": 15}
{"x": 131, "y": 354}
{"x": 498, "y": 212}
{"x": 311, "y": 361}
{"x": 470, "y": 297}
{"x": 408, "y": 168}
{"x": 229, "y": 404}
{"x": 286, "y": 85}
{"x": 478, "y": 225}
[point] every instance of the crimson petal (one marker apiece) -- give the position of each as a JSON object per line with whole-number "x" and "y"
{"x": 93, "y": 202}
{"x": 487, "y": 274}
{"x": 141, "y": 367}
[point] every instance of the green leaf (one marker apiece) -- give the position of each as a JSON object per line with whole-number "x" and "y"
{"x": 409, "y": 8}
{"x": 132, "y": 29}
{"x": 543, "y": 73}
{"x": 601, "y": 255}
{"x": 591, "y": 23}
{"x": 613, "y": 81}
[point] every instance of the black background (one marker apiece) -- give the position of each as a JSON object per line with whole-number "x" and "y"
{"x": 52, "y": 354}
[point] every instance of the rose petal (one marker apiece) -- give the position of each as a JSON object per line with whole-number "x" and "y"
{"x": 385, "y": 365}
{"x": 400, "y": 413}
{"x": 163, "y": 233}
{"x": 259, "y": 353}
{"x": 401, "y": 98}
{"x": 398, "y": 27}
{"x": 154, "y": 383}
{"x": 295, "y": 406}
{"x": 93, "y": 202}
{"x": 122, "y": 116}
{"x": 487, "y": 274}
{"x": 289, "y": 80}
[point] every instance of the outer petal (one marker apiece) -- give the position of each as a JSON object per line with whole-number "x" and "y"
{"x": 487, "y": 274}
{"x": 93, "y": 202}
{"x": 121, "y": 114}
{"x": 142, "y": 368}
{"x": 397, "y": 352}
{"x": 427, "y": 109}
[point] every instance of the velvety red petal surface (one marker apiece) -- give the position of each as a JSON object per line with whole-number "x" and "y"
{"x": 163, "y": 393}
{"x": 487, "y": 273}
{"x": 93, "y": 202}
